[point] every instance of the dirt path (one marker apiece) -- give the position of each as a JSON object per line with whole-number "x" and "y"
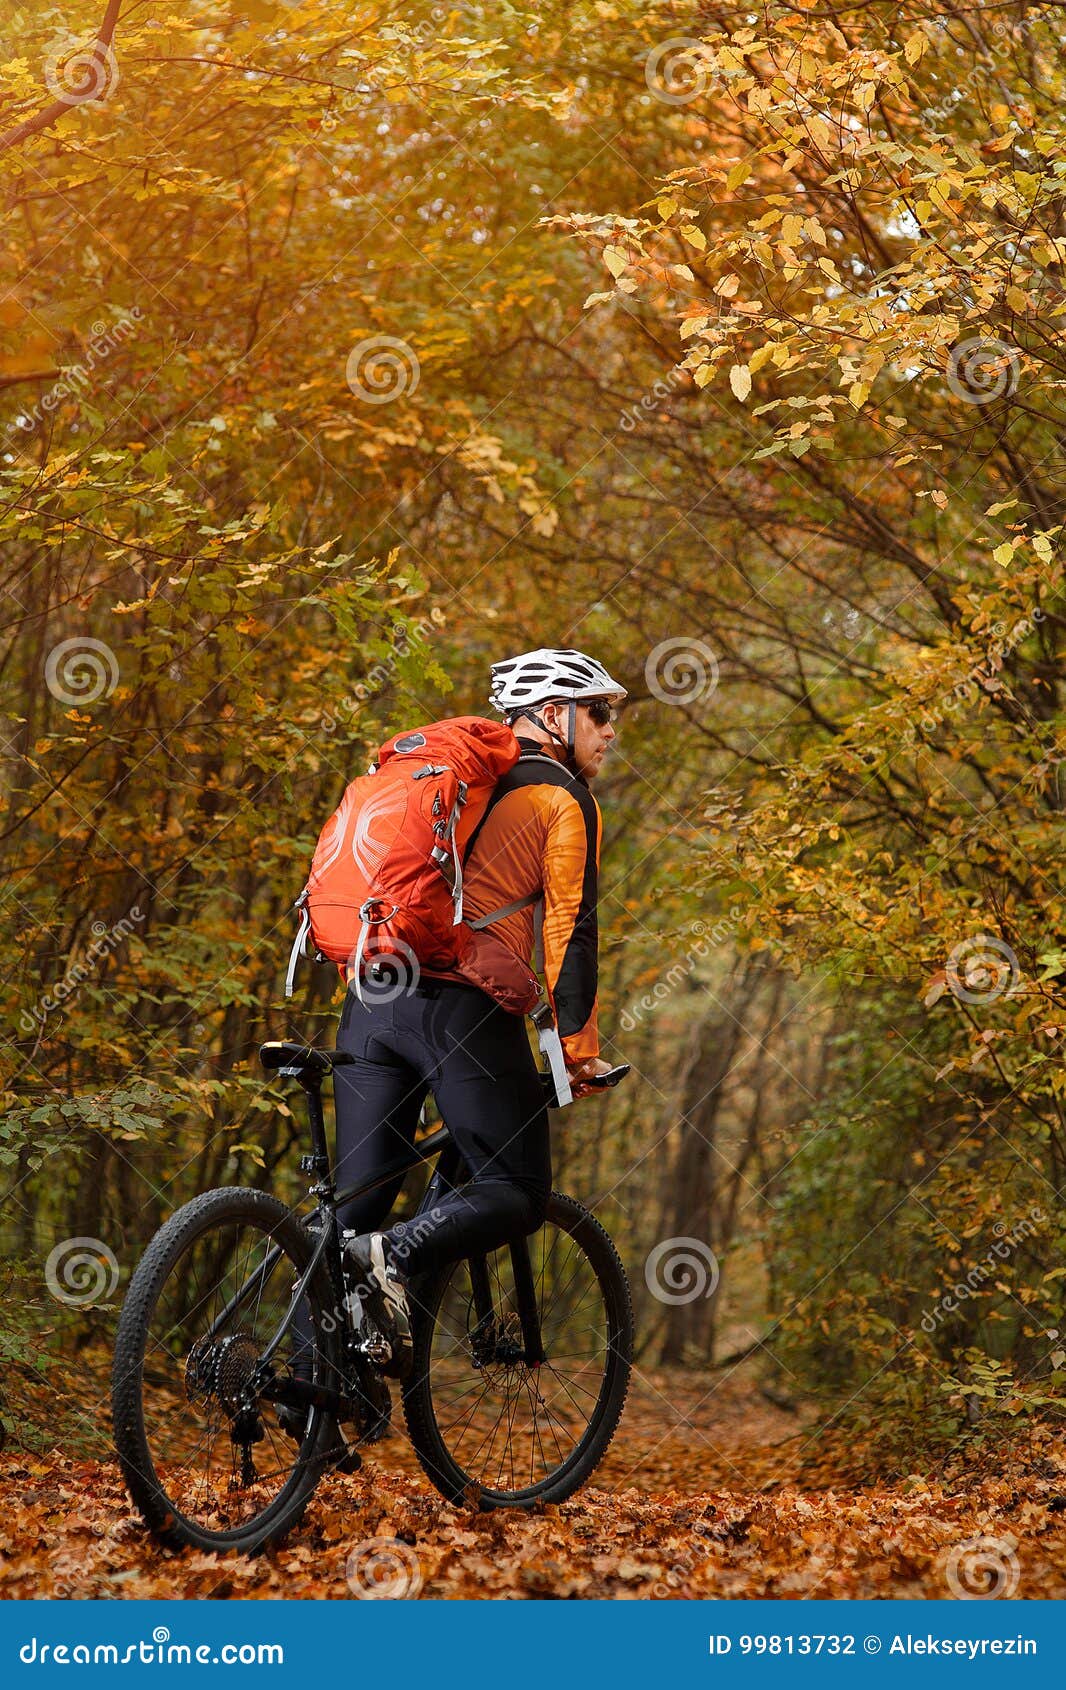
{"x": 698, "y": 1498}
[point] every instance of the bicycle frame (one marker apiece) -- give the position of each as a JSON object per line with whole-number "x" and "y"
{"x": 299, "y": 1393}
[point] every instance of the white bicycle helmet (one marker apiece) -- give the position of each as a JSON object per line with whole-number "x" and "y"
{"x": 537, "y": 676}
{"x": 520, "y": 684}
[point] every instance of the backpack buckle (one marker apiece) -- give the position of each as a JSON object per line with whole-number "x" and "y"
{"x": 366, "y": 911}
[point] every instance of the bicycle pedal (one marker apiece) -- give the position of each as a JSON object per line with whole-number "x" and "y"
{"x": 376, "y": 1349}
{"x": 349, "y": 1462}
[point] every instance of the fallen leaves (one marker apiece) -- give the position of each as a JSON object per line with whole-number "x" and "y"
{"x": 734, "y": 1522}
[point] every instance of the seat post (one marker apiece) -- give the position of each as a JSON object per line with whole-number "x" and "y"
{"x": 311, "y": 1086}
{"x": 307, "y": 1066}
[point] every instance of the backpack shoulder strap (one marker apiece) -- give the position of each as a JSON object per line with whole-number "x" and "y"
{"x": 500, "y": 790}
{"x": 537, "y": 900}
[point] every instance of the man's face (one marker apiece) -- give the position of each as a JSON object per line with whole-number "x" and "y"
{"x": 590, "y": 739}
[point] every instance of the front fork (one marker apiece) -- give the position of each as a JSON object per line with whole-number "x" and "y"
{"x": 488, "y": 1332}
{"x": 489, "y": 1336}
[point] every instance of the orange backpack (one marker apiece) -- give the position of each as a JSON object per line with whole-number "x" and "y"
{"x": 386, "y": 879}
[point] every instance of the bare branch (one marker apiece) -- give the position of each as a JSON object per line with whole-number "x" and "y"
{"x": 50, "y": 114}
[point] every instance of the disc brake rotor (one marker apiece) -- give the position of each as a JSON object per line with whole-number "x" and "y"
{"x": 500, "y": 1355}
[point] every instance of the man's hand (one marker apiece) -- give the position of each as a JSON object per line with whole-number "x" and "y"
{"x": 584, "y": 1070}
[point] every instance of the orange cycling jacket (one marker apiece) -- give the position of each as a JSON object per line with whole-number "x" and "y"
{"x": 542, "y": 830}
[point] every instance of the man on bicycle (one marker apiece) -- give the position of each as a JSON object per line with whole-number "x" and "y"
{"x": 540, "y": 834}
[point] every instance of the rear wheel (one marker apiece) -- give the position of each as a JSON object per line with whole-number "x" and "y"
{"x": 490, "y": 1428}
{"x": 202, "y": 1453}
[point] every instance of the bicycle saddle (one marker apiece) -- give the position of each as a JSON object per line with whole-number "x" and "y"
{"x": 286, "y": 1053}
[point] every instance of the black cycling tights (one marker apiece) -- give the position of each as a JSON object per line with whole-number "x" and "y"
{"x": 476, "y": 1059}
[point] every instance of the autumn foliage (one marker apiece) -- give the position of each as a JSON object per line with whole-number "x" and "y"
{"x": 344, "y": 350}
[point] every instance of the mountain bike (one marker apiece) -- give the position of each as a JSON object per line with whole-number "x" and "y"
{"x": 521, "y": 1357}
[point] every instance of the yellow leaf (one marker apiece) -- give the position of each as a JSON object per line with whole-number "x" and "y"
{"x": 935, "y": 988}
{"x": 740, "y": 381}
{"x": 1003, "y": 553}
{"x": 615, "y": 259}
{"x": 738, "y": 174}
{"x": 727, "y": 287}
{"x": 858, "y": 393}
{"x": 915, "y": 47}
{"x": 695, "y": 237}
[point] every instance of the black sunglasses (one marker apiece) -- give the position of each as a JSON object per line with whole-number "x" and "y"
{"x": 600, "y": 711}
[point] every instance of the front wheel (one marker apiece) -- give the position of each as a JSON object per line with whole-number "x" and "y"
{"x": 203, "y": 1454}
{"x": 488, "y": 1426}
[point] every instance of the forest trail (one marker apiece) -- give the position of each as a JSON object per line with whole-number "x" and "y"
{"x": 708, "y": 1491}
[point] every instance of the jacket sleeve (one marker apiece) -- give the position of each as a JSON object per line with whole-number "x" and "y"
{"x": 571, "y": 936}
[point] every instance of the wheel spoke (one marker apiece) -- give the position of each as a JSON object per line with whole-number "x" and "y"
{"x": 504, "y": 1427}
{"x": 218, "y": 1459}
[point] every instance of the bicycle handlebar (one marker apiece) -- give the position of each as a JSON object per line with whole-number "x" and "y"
{"x": 597, "y": 1082}
{"x": 611, "y": 1078}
